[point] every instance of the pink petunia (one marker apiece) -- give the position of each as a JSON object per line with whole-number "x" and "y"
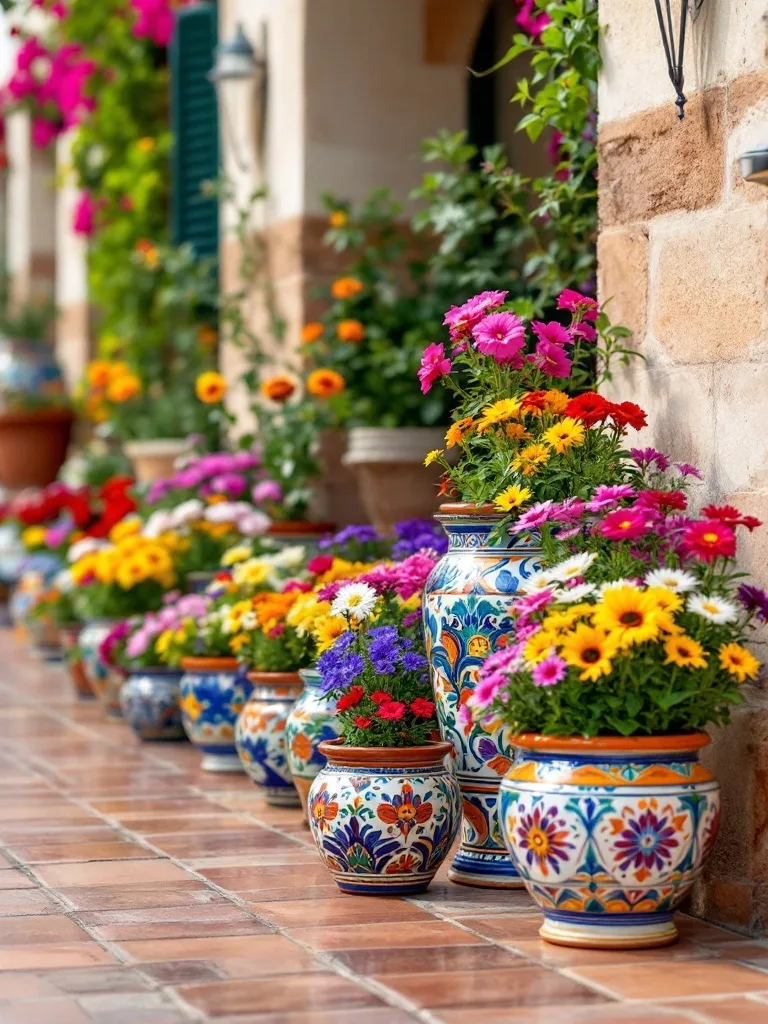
{"x": 552, "y": 332}
{"x": 43, "y": 132}
{"x": 578, "y": 303}
{"x": 502, "y": 336}
{"x": 549, "y": 672}
{"x": 434, "y": 364}
{"x": 461, "y": 319}
{"x": 551, "y": 359}
{"x": 536, "y": 515}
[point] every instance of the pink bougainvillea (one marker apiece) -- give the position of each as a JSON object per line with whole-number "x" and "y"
{"x": 155, "y": 19}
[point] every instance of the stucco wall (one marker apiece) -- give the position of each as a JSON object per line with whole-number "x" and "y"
{"x": 683, "y": 253}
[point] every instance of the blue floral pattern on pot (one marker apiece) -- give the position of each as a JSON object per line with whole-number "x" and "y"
{"x": 312, "y": 721}
{"x": 213, "y": 693}
{"x": 260, "y": 735}
{"x": 466, "y": 602}
{"x": 106, "y": 681}
{"x": 150, "y": 703}
{"x": 385, "y": 830}
{"x": 610, "y": 840}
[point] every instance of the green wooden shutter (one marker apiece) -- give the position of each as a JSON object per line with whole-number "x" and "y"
{"x": 195, "y": 124}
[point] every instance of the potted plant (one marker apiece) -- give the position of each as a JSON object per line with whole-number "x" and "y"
{"x": 523, "y": 443}
{"x": 386, "y": 808}
{"x": 630, "y": 641}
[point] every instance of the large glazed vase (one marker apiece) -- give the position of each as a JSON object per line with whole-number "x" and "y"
{"x": 213, "y": 692}
{"x": 150, "y": 703}
{"x": 260, "y": 735}
{"x": 312, "y": 721}
{"x": 384, "y": 818}
{"x": 105, "y": 680}
{"x": 466, "y": 617}
{"x": 609, "y": 834}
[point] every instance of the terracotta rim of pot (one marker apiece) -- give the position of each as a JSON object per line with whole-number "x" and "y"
{"x": 300, "y": 526}
{"x": 339, "y": 753}
{"x": 23, "y": 416}
{"x": 468, "y": 508}
{"x": 275, "y": 678}
{"x": 680, "y": 743}
{"x": 194, "y": 664}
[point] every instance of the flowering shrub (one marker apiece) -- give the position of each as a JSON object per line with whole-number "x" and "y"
{"x": 638, "y": 622}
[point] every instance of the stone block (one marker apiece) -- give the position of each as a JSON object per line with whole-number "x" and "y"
{"x": 622, "y": 277}
{"x": 709, "y": 280}
{"x": 652, "y": 163}
{"x": 741, "y": 415}
{"x": 747, "y": 128}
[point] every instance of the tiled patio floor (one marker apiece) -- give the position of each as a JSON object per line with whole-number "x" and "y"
{"x": 136, "y": 889}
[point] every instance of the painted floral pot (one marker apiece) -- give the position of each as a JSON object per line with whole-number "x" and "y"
{"x": 260, "y": 735}
{"x": 44, "y": 635}
{"x": 466, "y": 602}
{"x": 213, "y": 693}
{"x": 198, "y": 582}
{"x": 384, "y": 818}
{"x": 150, "y": 703}
{"x": 609, "y": 834}
{"x": 73, "y": 661}
{"x": 312, "y": 720}
{"x": 106, "y": 681}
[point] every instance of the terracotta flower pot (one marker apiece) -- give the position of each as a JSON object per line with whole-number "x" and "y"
{"x": 260, "y": 735}
{"x": 384, "y": 818}
{"x": 299, "y": 531}
{"x": 213, "y": 693}
{"x": 609, "y": 834}
{"x": 33, "y": 446}
{"x": 154, "y": 460}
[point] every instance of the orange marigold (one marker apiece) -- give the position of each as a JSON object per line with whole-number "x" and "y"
{"x": 210, "y": 387}
{"x": 338, "y": 219}
{"x": 99, "y": 373}
{"x": 346, "y": 288}
{"x": 350, "y": 330}
{"x": 325, "y": 383}
{"x": 207, "y": 336}
{"x": 311, "y": 332}
{"x": 123, "y": 389}
{"x": 278, "y": 388}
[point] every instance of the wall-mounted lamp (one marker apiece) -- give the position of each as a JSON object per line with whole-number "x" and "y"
{"x": 753, "y": 165}
{"x": 237, "y": 65}
{"x": 674, "y": 45}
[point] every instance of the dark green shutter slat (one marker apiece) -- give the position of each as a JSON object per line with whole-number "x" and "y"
{"x": 195, "y": 124}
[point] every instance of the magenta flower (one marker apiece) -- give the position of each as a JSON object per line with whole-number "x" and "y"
{"x": 568, "y": 511}
{"x": 551, "y": 359}
{"x": 84, "y": 220}
{"x": 532, "y": 603}
{"x": 536, "y": 515}
{"x": 549, "y": 672}
{"x": 502, "y": 336}
{"x": 486, "y": 690}
{"x": 552, "y": 332}
{"x": 580, "y": 304}
{"x": 530, "y": 22}
{"x": 686, "y": 469}
{"x": 155, "y": 21}
{"x": 461, "y": 319}
{"x": 434, "y": 364}
{"x": 583, "y": 330}
{"x": 650, "y": 456}
{"x": 607, "y": 496}
{"x": 43, "y": 132}
{"x": 267, "y": 490}
{"x": 625, "y": 524}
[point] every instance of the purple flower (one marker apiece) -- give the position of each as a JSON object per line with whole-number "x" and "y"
{"x": 461, "y": 319}
{"x": 552, "y": 332}
{"x": 231, "y": 484}
{"x": 754, "y": 600}
{"x": 607, "y": 496}
{"x": 536, "y": 515}
{"x": 549, "y": 672}
{"x": 502, "y": 336}
{"x": 650, "y": 456}
{"x": 551, "y": 359}
{"x": 413, "y": 662}
{"x": 686, "y": 469}
{"x": 267, "y": 490}
{"x": 412, "y": 618}
{"x": 415, "y": 535}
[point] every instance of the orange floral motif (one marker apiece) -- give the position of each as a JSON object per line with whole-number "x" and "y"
{"x": 301, "y": 747}
{"x": 405, "y": 810}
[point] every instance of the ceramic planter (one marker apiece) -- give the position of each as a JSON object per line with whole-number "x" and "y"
{"x": 155, "y": 459}
{"x": 150, "y": 703}
{"x": 33, "y": 446}
{"x": 44, "y": 635}
{"x": 466, "y": 603}
{"x": 73, "y": 660}
{"x": 106, "y": 681}
{"x": 213, "y": 693}
{"x": 312, "y": 720}
{"x": 260, "y": 735}
{"x": 609, "y": 834}
{"x": 299, "y": 531}
{"x": 384, "y": 818}
{"x": 198, "y": 582}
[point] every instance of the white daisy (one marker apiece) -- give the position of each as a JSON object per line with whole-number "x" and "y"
{"x": 537, "y": 581}
{"x": 84, "y": 547}
{"x": 572, "y": 567}
{"x": 673, "y": 579}
{"x": 188, "y": 512}
{"x": 569, "y": 595}
{"x": 290, "y": 557}
{"x": 355, "y": 600}
{"x": 158, "y": 523}
{"x": 254, "y": 524}
{"x": 615, "y": 585}
{"x": 715, "y": 609}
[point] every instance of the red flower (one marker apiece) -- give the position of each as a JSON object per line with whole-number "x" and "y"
{"x": 423, "y": 708}
{"x": 352, "y": 697}
{"x": 381, "y": 696}
{"x": 730, "y": 516}
{"x": 708, "y": 539}
{"x": 627, "y": 414}
{"x": 751, "y": 522}
{"x": 300, "y": 586}
{"x": 625, "y": 524}
{"x": 663, "y": 500}
{"x": 447, "y": 488}
{"x": 393, "y": 710}
{"x": 320, "y": 564}
{"x": 223, "y": 577}
{"x": 534, "y": 400}
{"x": 362, "y": 722}
{"x": 590, "y": 408}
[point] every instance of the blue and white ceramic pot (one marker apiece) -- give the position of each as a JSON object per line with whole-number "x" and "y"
{"x": 384, "y": 818}
{"x": 44, "y": 634}
{"x": 312, "y": 720}
{"x": 260, "y": 735}
{"x": 609, "y": 834}
{"x": 466, "y": 618}
{"x": 198, "y": 582}
{"x": 213, "y": 693}
{"x": 105, "y": 680}
{"x": 73, "y": 660}
{"x": 150, "y": 703}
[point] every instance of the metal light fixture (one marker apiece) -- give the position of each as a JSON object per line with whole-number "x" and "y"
{"x": 674, "y": 47}
{"x": 237, "y": 63}
{"x": 754, "y": 165}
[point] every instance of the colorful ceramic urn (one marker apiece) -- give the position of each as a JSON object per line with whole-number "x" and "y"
{"x": 260, "y": 735}
{"x": 44, "y": 636}
{"x": 312, "y": 721}
{"x": 213, "y": 693}
{"x": 73, "y": 660}
{"x": 609, "y": 834}
{"x": 466, "y": 602}
{"x": 384, "y": 818}
{"x": 198, "y": 582}
{"x": 106, "y": 681}
{"x": 150, "y": 703}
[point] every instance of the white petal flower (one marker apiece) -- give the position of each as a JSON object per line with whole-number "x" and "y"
{"x": 715, "y": 609}
{"x": 86, "y": 546}
{"x": 356, "y": 600}
{"x": 254, "y": 524}
{"x": 537, "y": 581}
{"x": 158, "y": 523}
{"x": 290, "y": 557}
{"x": 616, "y": 585}
{"x": 188, "y": 512}
{"x": 63, "y": 581}
{"x": 572, "y": 567}
{"x": 673, "y": 579}
{"x": 569, "y": 595}
{"x": 225, "y": 511}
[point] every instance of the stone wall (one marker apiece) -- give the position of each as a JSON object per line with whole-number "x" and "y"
{"x": 683, "y": 255}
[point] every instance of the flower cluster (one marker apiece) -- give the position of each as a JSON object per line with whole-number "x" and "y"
{"x": 200, "y": 632}
{"x": 265, "y": 636}
{"x": 360, "y": 543}
{"x": 139, "y": 647}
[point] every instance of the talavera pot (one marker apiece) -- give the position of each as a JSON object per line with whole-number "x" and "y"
{"x": 213, "y": 693}
{"x": 384, "y": 818}
{"x": 609, "y": 834}
{"x": 105, "y": 680}
{"x": 73, "y": 660}
{"x": 466, "y": 604}
{"x": 150, "y": 703}
{"x": 44, "y": 634}
{"x": 312, "y": 720}
{"x": 260, "y": 735}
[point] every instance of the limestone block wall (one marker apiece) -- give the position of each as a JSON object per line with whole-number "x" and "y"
{"x": 683, "y": 256}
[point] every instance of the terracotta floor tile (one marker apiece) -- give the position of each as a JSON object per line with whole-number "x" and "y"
{"x": 135, "y": 895}
{"x": 370, "y": 1015}
{"x": 47, "y": 1011}
{"x": 427, "y": 959}
{"x": 183, "y": 972}
{"x": 172, "y": 923}
{"x": 109, "y": 873}
{"x": 591, "y": 1013}
{"x": 689, "y": 978}
{"x": 143, "y": 1008}
{"x": 14, "y": 902}
{"x": 39, "y": 958}
{"x": 383, "y": 936}
{"x": 733, "y": 1010}
{"x": 348, "y": 910}
{"x": 505, "y": 927}
{"x": 560, "y": 956}
{"x": 149, "y": 825}
{"x": 310, "y": 892}
{"x": 53, "y": 834}
{"x": 283, "y": 995}
{"x": 51, "y": 853}
{"x": 202, "y": 948}
{"x": 13, "y": 878}
{"x": 245, "y": 877}
{"x": 87, "y": 980}
{"x": 206, "y": 844}
{"x": 36, "y": 931}
{"x": 121, "y": 808}
{"x": 704, "y": 933}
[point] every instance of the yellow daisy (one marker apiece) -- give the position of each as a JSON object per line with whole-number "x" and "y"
{"x": 433, "y": 456}
{"x": 590, "y": 649}
{"x": 630, "y": 613}
{"x": 512, "y": 497}
{"x": 530, "y": 458}
{"x": 739, "y": 662}
{"x": 555, "y": 401}
{"x": 566, "y": 433}
{"x": 685, "y": 652}
{"x": 539, "y": 646}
